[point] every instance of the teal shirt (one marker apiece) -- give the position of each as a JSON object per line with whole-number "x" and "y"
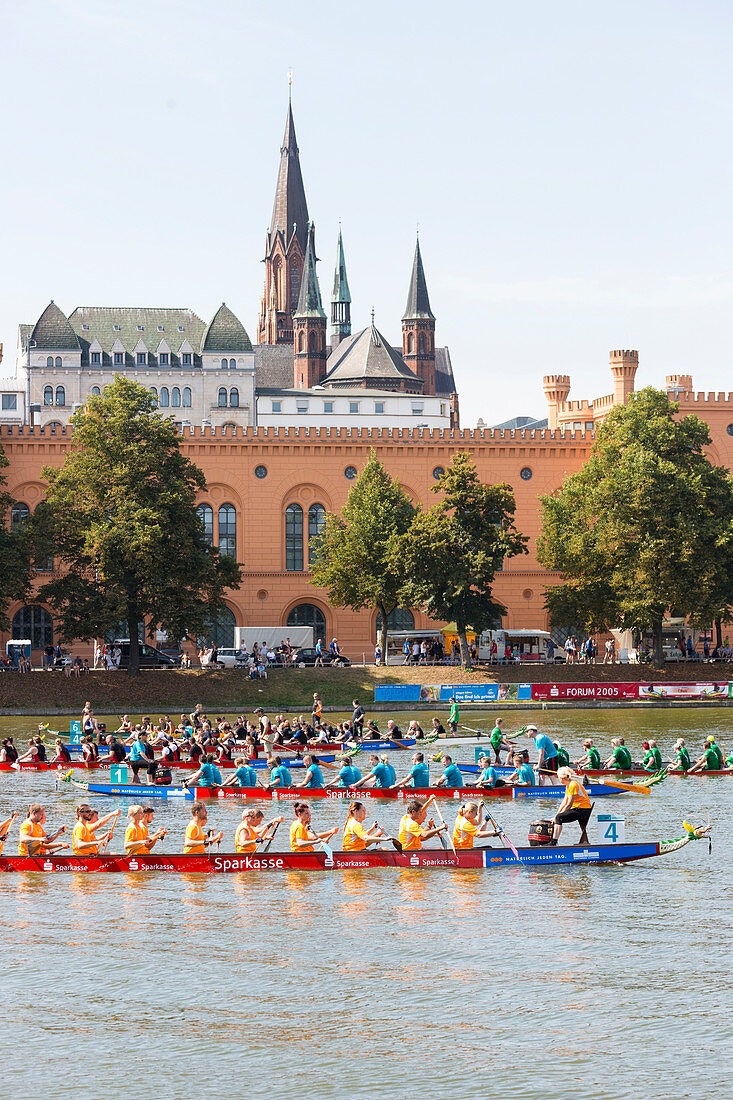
{"x": 210, "y": 776}
{"x": 452, "y": 776}
{"x": 420, "y": 775}
{"x": 526, "y": 775}
{"x": 348, "y": 776}
{"x": 488, "y": 777}
{"x": 281, "y": 777}
{"x": 246, "y": 776}
{"x": 315, "y": 778}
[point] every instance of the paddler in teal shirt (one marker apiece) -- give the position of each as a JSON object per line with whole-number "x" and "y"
{"x": 208, "y": 775}
{"x": 522, "y": 776}
{"x": 451, "y": 777}
{"x": 279, "y": 775}
{"x": 347, "y": 776}
{"x": 488, "y": 777}
{"x": 313, "y": 774}
{"x": 244, "y": 775}
{"x": 419, "y": 774}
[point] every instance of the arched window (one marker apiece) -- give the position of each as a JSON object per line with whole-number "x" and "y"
{"x": 301, "y": 341}
{"x": 410, "y": 343}
{"x": 164, "y": 399}
{"x": 223, "y": 364}
{"x": 33, "y": 622}
{"x": 316, "y": 523}
{"x": 205, "y": 514}
{"x": 312, "y": 342}
{"x": 58, "y": 361}
{"x": 220, "y": 630}
{"x": 19, "y": 513}
{"x": 234, "y": 397}
{"x": 48, "y": 395}
{"x": 96, "y": 391}
{"x": 421, "y": 343}
{"x": 187, "y": 397}
{"x": 307, "y": 614}
{"x": 399, "y": 619}
{"x": 294, "y": 538}
{"x": 232, "y": 364}
{"x": 49, "y": 361}
{"x": 228, "y": 531}
{"x": 154, "y": 391}
{"x": 60, "y": 395}
{"x": 222, "y": 398}
{"x": 176, "y": 397}
{"x": 294, "y": 287}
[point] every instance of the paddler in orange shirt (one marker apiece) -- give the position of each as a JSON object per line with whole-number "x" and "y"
{"x": 575, "y": 806}
{"x": 84, "y": 841}
{"x": 302, "y": 835}
{"x": 356, "y": 837}
{"x": 252, "y": 830}
{"x": 138, "y": 841}
{"x": 468, "y": 827}
{"x": 33, "y": 839}
{"x": 412, "y": 834}
{"x": 197, "y": 841}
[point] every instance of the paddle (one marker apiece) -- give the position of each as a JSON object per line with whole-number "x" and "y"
{"x": 272, "y": 837}
{"x": 633, "y": 788}
{"x": 441, "y": 836}
{"x": 326, "y": 847}
{"x": 111, "y": 831}
{"x": 383, "y": 839}
{"x": 503, "y": 836}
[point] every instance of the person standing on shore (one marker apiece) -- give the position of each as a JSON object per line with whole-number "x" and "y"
{"x": 454, "y": 715}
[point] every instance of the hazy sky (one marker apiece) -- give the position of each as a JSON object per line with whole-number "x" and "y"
{"x": 569, "y": 165}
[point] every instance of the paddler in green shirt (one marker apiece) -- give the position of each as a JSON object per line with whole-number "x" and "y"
{"x": 620, "y": 758}
{"x": 652, "y": 761}
{"x": 681, "y": 760}
{"x": 563, "y": 756}
{"x": 498, "y": 741}
{"x": 711, "y": 759}
{"x": 453, "y": 716}
{"x": 592, "y": 758}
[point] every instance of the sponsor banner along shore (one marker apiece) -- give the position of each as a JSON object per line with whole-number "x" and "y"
{"x": 570, "y": 692}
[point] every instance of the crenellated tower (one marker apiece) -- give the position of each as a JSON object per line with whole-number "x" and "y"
{"x": 557, "y": 388}
{"x": 285, "y": 245}
{"x": 309, "y": 321}
{"x": 624, "y": 365}
{"x": 418, "y": 327}
{"x": 340, "y": 299}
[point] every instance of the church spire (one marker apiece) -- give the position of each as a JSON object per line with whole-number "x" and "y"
{"x": 418, "y": 303}
{"x": 340, "y": 298}
{"x": 309, "y": 325}
{"x": 290, "y": 209}
{"x": 309, "y": 302}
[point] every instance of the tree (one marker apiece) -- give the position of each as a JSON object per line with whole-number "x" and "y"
{"x": 357, "y": 561}
{"x": 121, "y": 516}
{"x": 644, "y": 528}
{"x": 14, "y": 554}
{"x": 453, "y": 551}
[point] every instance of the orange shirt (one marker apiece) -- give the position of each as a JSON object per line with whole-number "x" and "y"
{"x": 577, "y": 794}
{"x": 194, "y": 843}
{"x": 83, "y": 835}
{"x": 410, "y": 834}
{"x": 31, "y": 830}
{"x": 244, "y": 838}
{"x": 354, "y": 836}
{"x": 463, "y": 832}
{"x": 135, "y": 837}
{"x": 298, "y": 831}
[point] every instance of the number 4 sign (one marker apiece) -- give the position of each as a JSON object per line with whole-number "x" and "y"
{"x": 611, "y": 829}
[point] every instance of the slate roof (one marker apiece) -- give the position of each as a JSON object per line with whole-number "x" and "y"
{"x": 53, "y": 331}
{"x": 418, "y": 303}
{"x": 444, "y": 380}
{"x": 366, "y": 354}
{"x": 341, "y": 291}
{"x": 274, "y": 366}
{"x": 136, "y": 324}
{"x": 517, "y": 422}
{"x": 290, "y": 206}
{"x": 225, "y": 332}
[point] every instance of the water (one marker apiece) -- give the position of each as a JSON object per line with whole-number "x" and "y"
{"x": 604, "y": 982}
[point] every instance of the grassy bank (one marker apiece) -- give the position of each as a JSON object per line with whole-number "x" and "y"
{"x": 290, "y": 689}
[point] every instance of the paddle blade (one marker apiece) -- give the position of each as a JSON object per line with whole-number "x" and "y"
{"x": 443, "y": 841}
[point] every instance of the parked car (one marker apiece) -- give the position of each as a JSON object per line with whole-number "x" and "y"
{"x": 232, "y": 658}
{"x": 307, "y": 656}
{"x": 150, "y": 657}
{"x": 174, "y": 652}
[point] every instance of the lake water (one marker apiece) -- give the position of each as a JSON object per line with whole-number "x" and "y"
{"x": 607, "y": 982}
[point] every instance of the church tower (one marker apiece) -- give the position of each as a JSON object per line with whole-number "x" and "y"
{"x": 309, "y": 322}
{"x": 340, "y": 299}
{"x": 285, "y": 245}
{"x": 418, "y": 327}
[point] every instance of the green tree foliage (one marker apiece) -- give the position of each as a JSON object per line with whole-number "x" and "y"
{"x": 357, "y": 561}
{"x": 120, "y": 514}
{"x": 14, "y": 555}
{"x": 453, "y": 551}
{"x": 644, "y": 528}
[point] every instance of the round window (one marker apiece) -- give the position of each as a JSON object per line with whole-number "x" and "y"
{"x": 260, "y": 471}
{"x": 438, "y": 472}
{"x": 350, "y": 472}
{"x": 729, "y": 429}
{"x": 525, "y": 473}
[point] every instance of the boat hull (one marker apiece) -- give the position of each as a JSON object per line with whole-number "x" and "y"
{"x": 236, "y": 863}
{"x": 291, "y": 794}
{"x": 182, "y": 765}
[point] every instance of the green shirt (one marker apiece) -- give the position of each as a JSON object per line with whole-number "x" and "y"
{"x": 563, "y": 757}
{"x": 453, "y": 716}
{"x": 621, "y": 757}
{"x": 496, "y": 737}
{"x": 729, "y": 760}
{"x": 713, "y": 758}
{"x": 594, "y": 758}
{"x": 654, "y": 758}
{"x": 683, "y": 761}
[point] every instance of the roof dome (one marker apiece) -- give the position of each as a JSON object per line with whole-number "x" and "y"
{"x": 53, "y": 331}
{"x": 225, "y": 332}
{"x": 367, "y": 357}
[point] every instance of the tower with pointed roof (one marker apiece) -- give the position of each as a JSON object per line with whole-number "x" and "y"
{"x": 285, "y": 245}
{"x": 418, "y": 327}
{"x": 309, "y": 324}
{"x": 340, "y": 299}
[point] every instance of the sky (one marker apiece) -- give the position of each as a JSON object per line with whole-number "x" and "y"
{"x": 569, "y": 166}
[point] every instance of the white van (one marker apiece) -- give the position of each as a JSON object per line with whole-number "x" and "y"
{"x": 526, "y": 646}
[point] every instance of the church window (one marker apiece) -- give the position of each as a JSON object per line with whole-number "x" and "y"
{"x": 205, "y": 515}
{"x": 96, "y": 392}
{"x": 224, "y": 364}
{"x": 410, "y": 343}
{"x": 525, "y": 473}
{"x": 164, "y": 400}
{"x": 438, "y": 472}
{"x": 350, "y": 473}
{"x": 312, "y": 342}
{"x": 294, "y": 538}
{"x": 232, "y": 364}
{"x": 421, "y": 344}
{"x": 294, "y": 287}
{"x": 49, "y": 361}
{"x": 261, "y": 472}
{"x": 58, "y": 361}
{"x": 316, "y": 524}
{"x": 228, "y": 531}
{"x": 301, "y": 341}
